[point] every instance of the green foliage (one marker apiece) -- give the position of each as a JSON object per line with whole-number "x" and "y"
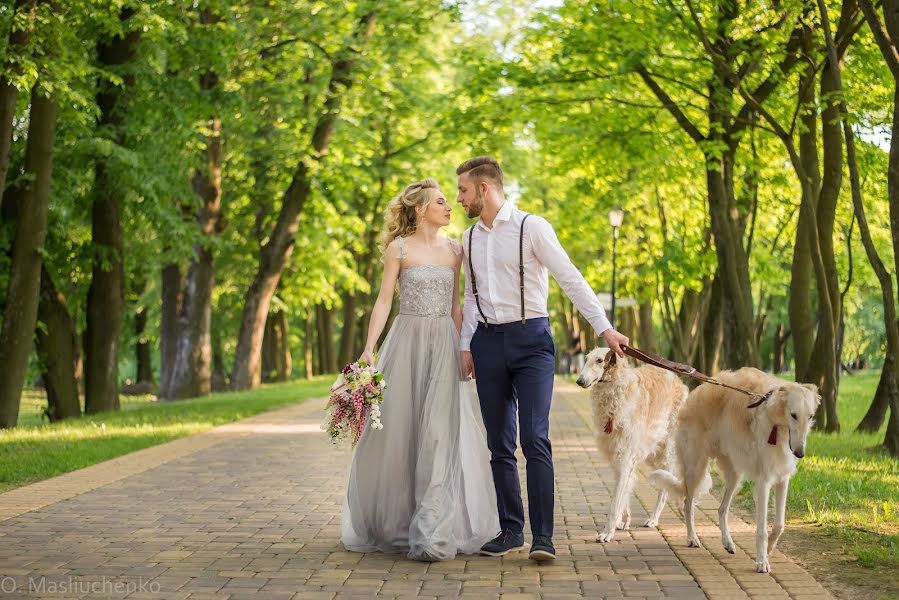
{"x": 551, "y": 89}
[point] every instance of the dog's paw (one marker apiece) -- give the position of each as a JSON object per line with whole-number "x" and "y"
{"x": 651, "y": 523}
{"x": 624, "y": 525}
{"x": 762, "y": 565}
{"x": 693, "y": 542}
{"x": 605, "y": 536}
{"x": 729, "y": 545}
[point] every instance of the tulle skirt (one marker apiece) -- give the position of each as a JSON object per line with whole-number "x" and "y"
{"x": 422, "y": 485}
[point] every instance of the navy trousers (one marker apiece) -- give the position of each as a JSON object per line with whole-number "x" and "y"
{"x": 514, "y": 365}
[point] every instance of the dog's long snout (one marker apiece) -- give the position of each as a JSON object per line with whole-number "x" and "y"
{"x": 799, "y": 453}
{"x": 582, "y": 382}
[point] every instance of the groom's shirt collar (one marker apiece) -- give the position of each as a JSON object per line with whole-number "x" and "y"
{"x": 504, "y": 214}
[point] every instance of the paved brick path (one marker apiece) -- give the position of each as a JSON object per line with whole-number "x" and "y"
{"x": 252, "y": 510}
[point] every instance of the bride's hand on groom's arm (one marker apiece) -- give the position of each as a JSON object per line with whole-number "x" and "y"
{"x": 615, "y": 340}
{"x": 467, "y": 364}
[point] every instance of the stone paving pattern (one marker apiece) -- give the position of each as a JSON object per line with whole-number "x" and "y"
{"x": 252, "y": 510}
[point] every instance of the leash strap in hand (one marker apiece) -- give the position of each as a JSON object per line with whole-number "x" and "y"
{"x": 689, "y": 371}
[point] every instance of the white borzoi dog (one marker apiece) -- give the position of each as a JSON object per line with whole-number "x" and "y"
{"x": 634, "y": 413}
{"x": 763, "y": 444}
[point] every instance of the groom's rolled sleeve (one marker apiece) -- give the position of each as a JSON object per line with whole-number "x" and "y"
{"x": 549, "y": 251}
{"x": 469, "y": 319}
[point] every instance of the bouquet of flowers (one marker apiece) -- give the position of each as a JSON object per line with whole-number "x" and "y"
{"x": 355, "y": 396}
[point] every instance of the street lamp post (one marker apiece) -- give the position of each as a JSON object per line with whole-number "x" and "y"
{"x": 616, "y": 216}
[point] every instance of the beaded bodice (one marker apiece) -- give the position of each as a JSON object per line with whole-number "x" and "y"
{"x": 426, "y": 290}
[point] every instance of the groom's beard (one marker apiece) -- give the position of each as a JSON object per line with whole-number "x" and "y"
{"x": 474, "y": 209}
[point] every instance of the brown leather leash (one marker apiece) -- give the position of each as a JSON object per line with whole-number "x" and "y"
{"x": 681, "y": 369}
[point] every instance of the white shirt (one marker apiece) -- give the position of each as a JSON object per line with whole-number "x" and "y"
{"x": 495, "y": 260}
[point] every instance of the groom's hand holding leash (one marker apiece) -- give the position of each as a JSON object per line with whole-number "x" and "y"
{"x": 615, "y": 341}
{"x": 467, "y": 364}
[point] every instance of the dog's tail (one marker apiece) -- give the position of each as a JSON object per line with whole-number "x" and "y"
{"x": 675, "y": 486}
{"x": 668, "y": 482}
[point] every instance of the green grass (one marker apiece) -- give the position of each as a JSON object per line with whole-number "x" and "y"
{"x": 37, "y": 450}
{"x": 846, "y": 489}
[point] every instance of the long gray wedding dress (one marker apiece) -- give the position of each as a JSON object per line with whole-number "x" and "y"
{"x": 422, "y": 485}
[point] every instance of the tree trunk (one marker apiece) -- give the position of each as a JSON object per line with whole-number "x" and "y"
{"x": 219, "y": 377}
{"x": 891, "y": 14}
{"x": 802, "y": 322}
{"x": 733, "y": 263}
{"x": 824, "y": 364}
{"x": 269, "y": 350}
{"x": 106, "y": 295}
{"x": 778, "y": 350}
{"x": 733, "y": 268}
{"x": 307, "y": 345}
{"x": 192, "y": 375}
{"x": 884, "y": 41}
{"x": 891, "y": 439}
{"x": 646, "y": 332}
{"x": 708, "y": 352}
{"x": 627, "y": 320}
{"x": 20, "y": 313}
{"x": 325, "y": 325}
{"x": 172, "y": 300}
{"x": 277, "y": 251}
{"x": 276, "y": 359}
{"x": 18, "y": 41}
{"x": 348, "y": 333}
{"x": 143, "y": 352}
{"x": 56, "y": 344}
{"x": 719, "y": 146}
{"x": 886, "y": 389}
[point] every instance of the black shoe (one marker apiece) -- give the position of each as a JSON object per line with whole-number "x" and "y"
{"x": 542, "y": 548}
{"x": 504, "y": 543}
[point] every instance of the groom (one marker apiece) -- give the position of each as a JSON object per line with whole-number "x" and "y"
{"x": 506, "y": 340}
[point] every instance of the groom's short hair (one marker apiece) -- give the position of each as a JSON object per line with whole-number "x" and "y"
{"x": 482, "y": 168}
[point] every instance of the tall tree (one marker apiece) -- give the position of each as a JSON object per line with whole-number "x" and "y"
{"x": 816, "y": 352}
{"x": 885, "y": 33}
{"x": 192, "y": 372}
{"x": 734, "y": 57}
{"x": 277, "y": 251}
{"x": 106, "y": 295}
{"x": 20, "y": 312}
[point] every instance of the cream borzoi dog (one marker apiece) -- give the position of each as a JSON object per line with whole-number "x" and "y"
{"x": 634, "y": 412}
{"x": 763, "y": 444}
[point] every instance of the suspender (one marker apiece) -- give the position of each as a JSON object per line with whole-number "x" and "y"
{"x": 474, "y": 283}
{"x": 521, "y": 264}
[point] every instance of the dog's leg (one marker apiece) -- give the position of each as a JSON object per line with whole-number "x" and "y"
{"x": 692, "y": 538}
{"x": 731, "y": 483}
{"x": 694, "y": 463}
{"x": 653, "y": 520}
{"x": 625, "y": 522}
{"x": 762, "y": 491}
{"x": 622, "y": 495}
{"x": 780, "y": 513}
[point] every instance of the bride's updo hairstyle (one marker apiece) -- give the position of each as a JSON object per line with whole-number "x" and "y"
{"x": 401, "y": 218}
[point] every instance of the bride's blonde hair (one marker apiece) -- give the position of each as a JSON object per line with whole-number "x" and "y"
{"x": 400, "y": 219}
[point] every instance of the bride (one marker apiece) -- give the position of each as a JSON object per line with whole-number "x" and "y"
{"x": 421, "y": 485}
